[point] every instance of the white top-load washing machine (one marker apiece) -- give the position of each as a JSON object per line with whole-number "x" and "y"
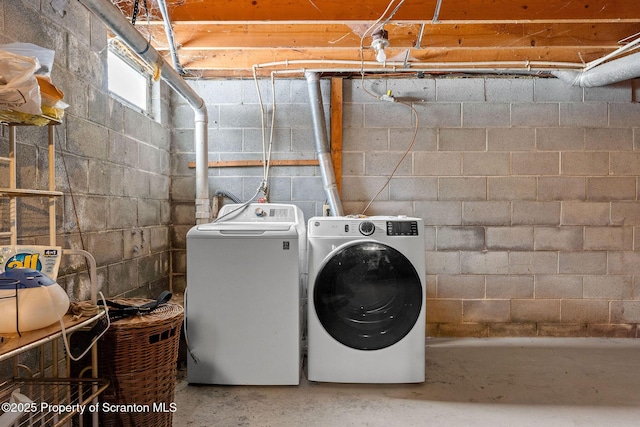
{"x": 244, "y": 279}
{"x": 366, "y": 308}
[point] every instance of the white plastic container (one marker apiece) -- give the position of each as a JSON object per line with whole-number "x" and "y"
{"x": 39, "y": 301}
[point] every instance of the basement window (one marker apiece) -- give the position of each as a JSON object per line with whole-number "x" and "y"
{"x": 129, "y": 79}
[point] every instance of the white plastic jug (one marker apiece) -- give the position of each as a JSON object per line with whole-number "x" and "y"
{"x": 39, "y": 301}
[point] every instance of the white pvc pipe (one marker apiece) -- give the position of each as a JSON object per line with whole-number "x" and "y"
{"x": 393, "y": 66}
{"x": 111, "y": 16}
{"x": 201, "y": 148}
{"x": 629, "y": 46}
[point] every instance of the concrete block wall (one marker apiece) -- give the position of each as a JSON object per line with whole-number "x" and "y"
{"x": 528, "y": 188}
{"x": 112, "y": 163}
{"x": 529, "y": 192}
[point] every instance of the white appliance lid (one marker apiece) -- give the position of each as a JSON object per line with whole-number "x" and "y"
{"x": 244, "y": 227}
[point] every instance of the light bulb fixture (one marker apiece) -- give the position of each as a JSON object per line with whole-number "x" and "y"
{"x": 379, "y": 42}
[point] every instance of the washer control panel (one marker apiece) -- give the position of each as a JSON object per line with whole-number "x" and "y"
{"x": 258, "y": 212}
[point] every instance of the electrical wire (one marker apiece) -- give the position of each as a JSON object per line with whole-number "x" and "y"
{"x": 240, "y": 208}
{"x": 185, "y": 330}
{"x": 363, "y": 87}
{"x": 72, "y": 196}
{"x": 392, "y": 13}
{"x": 73, "y": 200}
{"x": 266, "y": 146}
{"x": 65, "y": 339}
{"x": 629, "y": 46}
{"x": 374, "y": 25}
{"x": 262, "y": 124}
{"x": 273, "y": 122}
{"x": 75, "y": 211}
{"x": 233, "y": 197}
{"x": 413, "y": 140}
{"x": 377, "y": 22}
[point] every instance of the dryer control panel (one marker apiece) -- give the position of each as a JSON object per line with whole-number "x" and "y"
{"x": 369, "y": 226}
{"x": 402, "y": 228}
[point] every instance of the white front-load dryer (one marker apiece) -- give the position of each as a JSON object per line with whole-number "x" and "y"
{"x": 366, "y": 300}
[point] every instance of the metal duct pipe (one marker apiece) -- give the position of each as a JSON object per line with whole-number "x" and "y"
{"x": 111, "y": 16}
{"x": 616, "y": 71}
{"x": 168, "y": 30}
{"x": 322, "y": 144}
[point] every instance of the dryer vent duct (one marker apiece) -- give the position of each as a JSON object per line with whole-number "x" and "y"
{"x": 322, "y": 144}
{"x": 622, "y": 69}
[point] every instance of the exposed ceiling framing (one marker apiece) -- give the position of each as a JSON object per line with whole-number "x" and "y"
{"x": 232, "y": 38}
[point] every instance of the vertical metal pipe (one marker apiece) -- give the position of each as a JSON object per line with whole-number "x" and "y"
{"x": 322, "y": 144}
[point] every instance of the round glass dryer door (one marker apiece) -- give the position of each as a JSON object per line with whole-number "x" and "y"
{"x": 368, "y": 295}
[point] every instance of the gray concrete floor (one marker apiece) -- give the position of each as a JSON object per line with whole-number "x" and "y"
{"x": 469, "y": 382}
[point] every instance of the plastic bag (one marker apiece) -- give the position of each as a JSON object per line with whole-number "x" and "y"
{"x": 44, "y": 56}
{"x": 19, "y": 90}
{"x": 21, "y": 403}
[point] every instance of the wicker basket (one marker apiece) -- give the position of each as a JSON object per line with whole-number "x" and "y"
{"x": 138, "y": 355}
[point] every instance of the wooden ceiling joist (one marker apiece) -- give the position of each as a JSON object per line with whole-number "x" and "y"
{"x": 331, "y": 59}
{"x": 239, "y": 36}
{"x": 231, "y": 37}
{"x": 411, "y": 10}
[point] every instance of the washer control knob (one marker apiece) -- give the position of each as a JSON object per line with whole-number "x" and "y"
{"x": 367, "y": 228}
{"x": 260, "y": 212}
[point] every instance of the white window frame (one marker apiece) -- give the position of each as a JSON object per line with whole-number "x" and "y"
{"x": 135, "y": 70}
